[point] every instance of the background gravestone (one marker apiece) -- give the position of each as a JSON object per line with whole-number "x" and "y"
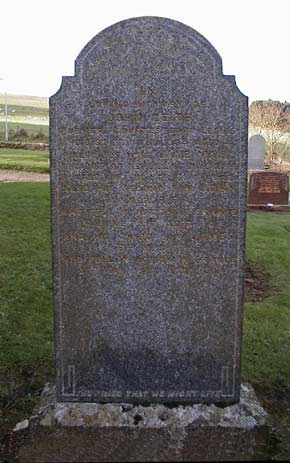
{"x": 148, "y": 181}
{"x": 256, "y": 153}
{"x": 268, "y": 188}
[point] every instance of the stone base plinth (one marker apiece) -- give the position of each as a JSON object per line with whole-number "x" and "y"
{"x": 90, "y": 432}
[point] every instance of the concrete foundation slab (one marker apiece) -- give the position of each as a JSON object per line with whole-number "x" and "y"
{"x": 119, "y": 432}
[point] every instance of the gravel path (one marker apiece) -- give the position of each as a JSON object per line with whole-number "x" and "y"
{"x": 16, "y": 176}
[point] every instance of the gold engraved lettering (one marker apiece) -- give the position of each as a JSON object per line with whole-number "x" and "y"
{"x": 110, "y": 103}
{"x": 74, "y": 237}
{"x": 127, "y": 117}
{"x": 75, "y": 189}
{"x": 269, "y": 184}
{"x": 72, "y": 213}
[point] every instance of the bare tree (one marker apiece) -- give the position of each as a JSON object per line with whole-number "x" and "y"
{"x": 270, "y": 119}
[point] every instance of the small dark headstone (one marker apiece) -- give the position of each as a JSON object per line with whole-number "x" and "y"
{"x": 268, "y": 188}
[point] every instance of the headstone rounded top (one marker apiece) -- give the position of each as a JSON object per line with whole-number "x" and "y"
{"x": 148, "y": 178}
{"x": 257, "y": 138}
{"x": 159, "y": 33}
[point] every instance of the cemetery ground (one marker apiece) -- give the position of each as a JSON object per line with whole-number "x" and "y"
{"x": 26, "y": 329}
{"x": 24, "y": 160}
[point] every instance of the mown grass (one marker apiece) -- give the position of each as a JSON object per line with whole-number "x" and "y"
{"x": 26, "y": 329}
{"x": 266, "y": 340}
{"x": 25, "y": 160}
{"x": 25, "y": 277}
{"x": 266, "y": 343}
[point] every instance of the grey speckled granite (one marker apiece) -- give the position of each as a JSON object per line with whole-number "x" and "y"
{"x": 91, "y": 432}
{"x": 148, "y": 181}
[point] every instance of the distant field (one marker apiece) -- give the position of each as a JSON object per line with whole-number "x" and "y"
{"x": 25, "y": 100}
{"x": 29, "y": 113}
{"x": 30, "y": 128}
{"x": 33, "y": 132}
{"x": 16, "y": 112}
{"x": 26, "y": 160}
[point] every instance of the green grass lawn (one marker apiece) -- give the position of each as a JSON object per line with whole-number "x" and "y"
{"x": 267, "y": 324}
{"x": 26, "y": 328}
{"x": 25, "y": 277}
{"x": 33, "y": 132}
{"x": 29, "y": 161}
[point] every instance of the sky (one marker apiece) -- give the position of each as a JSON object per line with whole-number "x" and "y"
{"x": 40, "y": 39}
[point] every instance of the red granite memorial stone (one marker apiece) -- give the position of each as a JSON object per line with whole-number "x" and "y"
{"x": 268, "y": 188}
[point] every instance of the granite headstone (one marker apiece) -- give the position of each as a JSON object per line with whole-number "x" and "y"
{"x": 268, "y": 188}
{"x": 148, "y": 182}
{"x": 256, "y": 153}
